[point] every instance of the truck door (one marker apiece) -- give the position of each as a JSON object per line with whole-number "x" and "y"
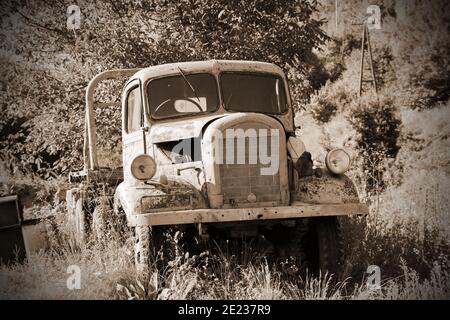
{"x": 133, "y": 133}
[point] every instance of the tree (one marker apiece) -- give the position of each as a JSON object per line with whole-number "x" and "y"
{"x": 282, "y": 32}
{"x": 47, "y": 67}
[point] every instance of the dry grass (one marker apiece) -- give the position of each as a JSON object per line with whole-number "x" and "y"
{"x": 107, "y": 271}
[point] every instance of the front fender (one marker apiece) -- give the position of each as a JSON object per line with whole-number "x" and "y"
{"x": 145, "y": 198}
{"x": 326, "y": 188}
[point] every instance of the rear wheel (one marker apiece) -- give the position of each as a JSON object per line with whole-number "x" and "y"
{"x": 81, "y": 223}
{"x": 100, "y": 219}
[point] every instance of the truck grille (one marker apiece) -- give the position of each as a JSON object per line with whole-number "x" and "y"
{"x": 239, "y": 181}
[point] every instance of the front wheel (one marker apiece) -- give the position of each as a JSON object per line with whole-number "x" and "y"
{"x": 328, "y": 245}
{"x": 147, "y": 242}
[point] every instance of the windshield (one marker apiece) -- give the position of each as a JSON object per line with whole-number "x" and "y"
{"x": 182, "y": 94}
{"x": 253, "y": 92}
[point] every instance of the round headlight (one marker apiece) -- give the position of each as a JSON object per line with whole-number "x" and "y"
{"x": 337, "y": 161}
{"x": 143, "y": 167}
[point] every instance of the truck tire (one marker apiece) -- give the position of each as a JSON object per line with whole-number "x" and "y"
{"x": 328, "y": 245}
{"x": 146, "y": 245}
{"x": 100, "y": 219}
{"x": 81, "y": 223}
{"x": 289, "y": 242}
{"x": 142, "y": 243}
{"x": 119, "y": 221}
{"x": 77, "y": 216}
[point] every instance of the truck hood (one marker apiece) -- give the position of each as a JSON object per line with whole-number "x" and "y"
{"x": 181, "y": 129}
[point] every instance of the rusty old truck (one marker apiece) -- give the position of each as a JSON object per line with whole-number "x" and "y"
{"x": 211, "y": 146}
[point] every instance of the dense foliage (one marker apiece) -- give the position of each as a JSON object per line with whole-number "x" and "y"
{"x": 379, "y": 131}
{"x": 46, "y": 67}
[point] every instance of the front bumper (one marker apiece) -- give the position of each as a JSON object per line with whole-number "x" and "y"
{"x": 296, "y": 210}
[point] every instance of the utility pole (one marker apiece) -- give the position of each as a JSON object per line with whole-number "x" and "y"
{"x": 336, "y": 13}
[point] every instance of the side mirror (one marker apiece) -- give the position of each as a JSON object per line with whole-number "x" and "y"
{"x": 144, "y": 130}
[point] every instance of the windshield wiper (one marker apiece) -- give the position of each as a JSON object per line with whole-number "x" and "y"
{"x": 189, "y": 84}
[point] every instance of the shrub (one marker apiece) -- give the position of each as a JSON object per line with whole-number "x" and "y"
{"x": 328, "y": 102}
{"x": 378, "y": 131}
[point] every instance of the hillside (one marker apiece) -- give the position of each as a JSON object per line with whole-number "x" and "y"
{"x": 410, "y": 51}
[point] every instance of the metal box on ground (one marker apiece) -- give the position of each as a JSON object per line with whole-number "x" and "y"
{"x": 11, "y": 213}
{"x": 12, "y": 245}
{"x": 19, "y": 238}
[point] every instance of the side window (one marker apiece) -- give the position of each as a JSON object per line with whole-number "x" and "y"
{"x": 134, "y": 110}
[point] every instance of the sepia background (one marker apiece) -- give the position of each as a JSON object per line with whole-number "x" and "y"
{"x": 398, "y": 138}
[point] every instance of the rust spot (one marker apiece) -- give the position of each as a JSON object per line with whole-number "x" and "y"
{"x": 348, "y": 185}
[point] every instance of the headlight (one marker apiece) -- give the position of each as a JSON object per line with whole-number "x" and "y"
{"x": 143, "y": 167}
{"x": 337, "y": 161}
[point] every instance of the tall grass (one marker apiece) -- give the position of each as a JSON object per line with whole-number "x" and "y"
{"x": 411, "y": 268}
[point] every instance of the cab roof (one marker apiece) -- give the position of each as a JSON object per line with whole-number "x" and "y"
{"x": 210, "y": 66}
